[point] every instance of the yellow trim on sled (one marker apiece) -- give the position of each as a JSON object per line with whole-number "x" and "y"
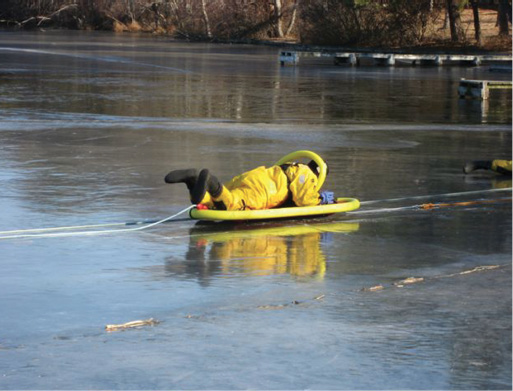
{"x": 342, "y": 205}
{"x": 294, "y": 230}
{"x": 294, "y": 156}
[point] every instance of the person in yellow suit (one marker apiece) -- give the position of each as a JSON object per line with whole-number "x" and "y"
{"x": 500, "y": 166}
{"x": 292, "y": 184}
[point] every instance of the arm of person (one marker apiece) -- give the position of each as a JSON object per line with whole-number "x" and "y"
{"x": 303, "y": 186}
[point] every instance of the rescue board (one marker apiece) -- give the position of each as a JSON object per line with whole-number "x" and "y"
{"x": 342, "y": 205}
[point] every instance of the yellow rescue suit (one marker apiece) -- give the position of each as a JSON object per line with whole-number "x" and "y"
{"x": 266, "y": 188}
{"x": 502, "y": 166}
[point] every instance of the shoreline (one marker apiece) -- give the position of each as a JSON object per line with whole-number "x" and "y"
{"x": 436, "y": 47}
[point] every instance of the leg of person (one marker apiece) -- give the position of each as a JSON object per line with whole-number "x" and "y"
{"x": 502, "y": 166}
{"x": 206, "y": 183}
{"x": 188, "y": 176}
{"x": 210, "y": 191}
{"x": 230, "y": 200}
{"x": 477, "y": 165}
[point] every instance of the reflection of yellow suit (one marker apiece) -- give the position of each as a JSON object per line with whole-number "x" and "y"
{"x": 295, "y": 250}
{"x": 266, "y": 188}
{"x": 306, "y": 257}
{"x": 259, "y": 256}
{"x": 300, "y": 256}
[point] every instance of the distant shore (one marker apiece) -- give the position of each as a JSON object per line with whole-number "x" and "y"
{"x": 437, "y": 40}
{"x": 500, "y": 47}
{"x": 447, "y": 47}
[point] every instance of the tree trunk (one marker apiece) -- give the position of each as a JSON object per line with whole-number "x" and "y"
{"x": 292, "y": 18}
{"x": 277, "y": 17}
{"x": 504, "y": 10}
{"x": 205, "y": 19}
{"x": 130, "y": 7}
{"x": 454, "y": 20}
{"x": 477, "y": 25}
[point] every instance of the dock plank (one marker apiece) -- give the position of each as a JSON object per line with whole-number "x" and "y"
{"x": 354, "y": 58}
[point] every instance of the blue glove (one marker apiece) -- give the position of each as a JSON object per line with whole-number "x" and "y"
{"x": 327, "y": 197}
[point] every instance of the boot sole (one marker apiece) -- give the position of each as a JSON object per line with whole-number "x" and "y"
{"x": 179, "y": 176}
{"x": 200, "y": 189}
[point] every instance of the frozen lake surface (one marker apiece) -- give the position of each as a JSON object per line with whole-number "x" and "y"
{"x": 90, "y": 123}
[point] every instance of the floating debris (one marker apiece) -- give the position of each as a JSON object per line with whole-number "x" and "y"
{"x": 202, "y": 317}
{"x": 272, "y": 306}
{"x": 294, "y": 302}
{"x": 415, "y": 280}
{"x": 464, "y": 203}
{"x": 408, "y": 281}
{"x": 374, "y": 288}
{"x": 131, "y": 325}
{"x": 480, "y": 269}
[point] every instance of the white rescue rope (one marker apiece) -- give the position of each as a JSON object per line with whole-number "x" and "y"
{"x": 75, "y": 227}
{"x": 435, "y": 195}
{"x": 101, "y": 232}
{"x": 20, "y": 234}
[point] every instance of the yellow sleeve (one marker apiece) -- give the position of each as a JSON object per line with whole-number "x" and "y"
{"x": 303, "y": 185}
{"x": 502, "y": 166}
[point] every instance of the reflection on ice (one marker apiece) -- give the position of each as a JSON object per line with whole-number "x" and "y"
{"x": 294, "y": 250}
{"x": 114, "y": 59}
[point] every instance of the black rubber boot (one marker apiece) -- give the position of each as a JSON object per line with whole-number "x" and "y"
{"x": 477, "y": 165}
{"x": 188, "y": 176}
{"x": 205, "y": 182}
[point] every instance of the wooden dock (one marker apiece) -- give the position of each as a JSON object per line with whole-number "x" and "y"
{"x": 390, "y": 59}
{"x": 480, "y": 89}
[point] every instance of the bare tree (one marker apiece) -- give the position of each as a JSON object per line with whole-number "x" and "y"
{"x": 453, "y": 10}
{"x": 205, "y": 19}
{"x": 477, "y": 24}
{"x": 277, "y": 5}
{"x": 130, "y": 7}
{"x": 292, "y": 18}
{"x": 504, "y": 17}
